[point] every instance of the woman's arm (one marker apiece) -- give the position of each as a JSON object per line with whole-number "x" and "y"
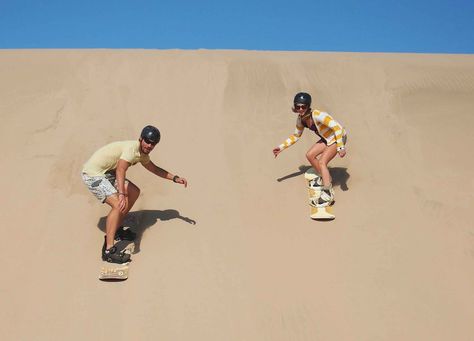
{"x": 292, "y": 139}
{"x": 327, "y": 120}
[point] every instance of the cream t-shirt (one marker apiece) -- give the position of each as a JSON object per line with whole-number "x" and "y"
{"x": 107, "y": 157}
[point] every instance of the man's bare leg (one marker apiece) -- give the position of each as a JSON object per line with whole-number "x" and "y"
{"x": 133, "y": 192}
{"x": 115, "y": 216}
{"x": 113, "y": 220}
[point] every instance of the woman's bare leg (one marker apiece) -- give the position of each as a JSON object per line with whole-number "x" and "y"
{"x": 326, "y": 156}
{"x": 313, "y": 153}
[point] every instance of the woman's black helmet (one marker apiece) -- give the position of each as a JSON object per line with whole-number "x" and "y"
{"x": 151, "y": 134}
{"x": 302, "y": 98}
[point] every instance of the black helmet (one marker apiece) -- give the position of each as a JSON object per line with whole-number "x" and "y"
{"x": 151, "y": 134}
{"x": 302, "y": 98}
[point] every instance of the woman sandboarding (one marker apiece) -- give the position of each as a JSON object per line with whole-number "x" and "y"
{"x": 332, "y": 141}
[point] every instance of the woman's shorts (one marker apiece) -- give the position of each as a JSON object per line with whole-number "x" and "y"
{"x": 102, "y": 186}
{"x": 344, "y": 140}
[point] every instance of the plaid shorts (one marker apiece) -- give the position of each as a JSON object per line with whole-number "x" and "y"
{"x": 102, "y": 186}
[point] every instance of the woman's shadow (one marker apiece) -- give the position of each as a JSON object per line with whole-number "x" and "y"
{"x": 339, "y": 176}
{"x": 139, "y": 221}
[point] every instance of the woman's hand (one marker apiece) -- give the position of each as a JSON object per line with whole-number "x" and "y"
{"x": 276, "y": 151}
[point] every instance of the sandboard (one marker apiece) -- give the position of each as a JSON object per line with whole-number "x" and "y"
{"x": 317, "y": 213}
{"x": 114, "y": 271}
{"x": 322, "y": 213}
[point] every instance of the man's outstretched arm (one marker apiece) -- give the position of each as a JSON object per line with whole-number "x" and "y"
{"x": 165, "y": 174}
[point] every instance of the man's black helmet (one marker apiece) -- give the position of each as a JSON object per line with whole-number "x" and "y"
{"x": 302, "y": 98}
{"x": 151, "y": 134}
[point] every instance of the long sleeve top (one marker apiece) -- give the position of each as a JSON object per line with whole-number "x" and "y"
{"x": 324, "y": 125}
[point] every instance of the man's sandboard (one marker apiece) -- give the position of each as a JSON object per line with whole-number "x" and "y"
{"x": 317, "y": 213}
{"x": 114, "y": 271}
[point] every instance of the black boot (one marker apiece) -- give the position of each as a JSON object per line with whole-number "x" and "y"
{"x": 127, "y": 234}
{"x": 112, "y": 255}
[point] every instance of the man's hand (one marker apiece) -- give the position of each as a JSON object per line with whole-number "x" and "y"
{"x": 123, "y": 201}
{"x": 276, "y": 151}
{"x": 180, "y": 180}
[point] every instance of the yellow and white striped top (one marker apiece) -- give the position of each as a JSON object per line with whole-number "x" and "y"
{"x": 324, "y": 125}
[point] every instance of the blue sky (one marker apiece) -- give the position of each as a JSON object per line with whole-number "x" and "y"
{"x": 444, "y": 26}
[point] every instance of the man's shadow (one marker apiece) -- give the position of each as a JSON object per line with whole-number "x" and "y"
{"x": 339, "y": 176}
{"x": 139, "y": 221}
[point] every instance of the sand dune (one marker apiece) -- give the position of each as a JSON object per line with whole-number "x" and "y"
{"x": 235, "y": 256}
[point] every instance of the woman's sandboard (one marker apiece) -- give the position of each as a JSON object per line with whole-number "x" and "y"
{"x": 310, "y": 174}
{"x": 322, "y": 213}
{"x": 317, "y": 213}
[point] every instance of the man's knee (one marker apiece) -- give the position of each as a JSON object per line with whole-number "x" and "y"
{"x": 113, "y": 202}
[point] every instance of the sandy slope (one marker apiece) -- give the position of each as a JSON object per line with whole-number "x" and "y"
{"x": 396, "y": 264}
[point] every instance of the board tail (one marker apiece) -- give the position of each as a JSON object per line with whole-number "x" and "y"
{"x": 322, "y": 213}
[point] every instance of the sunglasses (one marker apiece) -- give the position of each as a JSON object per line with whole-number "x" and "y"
{"x": 147, "y": 141}
{"x": 301, "y": 106}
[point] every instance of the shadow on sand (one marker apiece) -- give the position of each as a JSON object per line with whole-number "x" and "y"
{"x": 339, "y": 176}
{"x": 141, "y": 220}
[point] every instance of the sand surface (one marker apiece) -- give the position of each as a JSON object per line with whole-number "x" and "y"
{"x": 235, "y": 256}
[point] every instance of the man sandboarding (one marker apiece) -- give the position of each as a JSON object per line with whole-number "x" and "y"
{"x": 105, "y": 176}
{"x": 332, "y": 140}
